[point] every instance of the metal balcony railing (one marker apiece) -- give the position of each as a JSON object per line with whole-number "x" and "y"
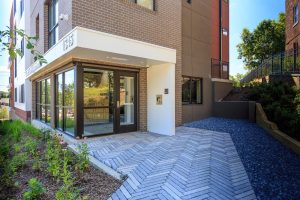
{"x": 219, "y": 70}
{"x": 285, "y": 63}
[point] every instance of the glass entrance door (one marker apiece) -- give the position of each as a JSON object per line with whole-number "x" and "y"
{"x": 126, "y": 102}
{"x": 98, "y": 94}
{"x": 109, "y": 102}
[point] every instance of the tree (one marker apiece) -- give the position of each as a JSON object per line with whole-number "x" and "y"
{"x": 8, "y": 35}
{"x": 267, "y": 38}
{"x": 236, "y": 79}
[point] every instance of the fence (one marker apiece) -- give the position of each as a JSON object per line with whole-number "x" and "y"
{"x": 218, "y": 70}
{"x": 284, "y": 63}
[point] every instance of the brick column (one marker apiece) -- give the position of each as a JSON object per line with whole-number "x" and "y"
{"x": 142, "y": 100}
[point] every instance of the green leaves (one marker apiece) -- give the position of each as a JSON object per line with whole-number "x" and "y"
{"x": 7, "y": 38}
{"x": 36, "y": 189}
{"x": 267, "y": 38}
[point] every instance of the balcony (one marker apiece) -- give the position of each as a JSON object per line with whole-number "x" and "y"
{"x": 218, "y": 70}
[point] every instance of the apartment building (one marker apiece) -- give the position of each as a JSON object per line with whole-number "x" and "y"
{"x": 292, "y": 29}
{"x": 120, "y": 65}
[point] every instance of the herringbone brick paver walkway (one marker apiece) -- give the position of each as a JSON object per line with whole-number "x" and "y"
{"x": 194, "y": 164}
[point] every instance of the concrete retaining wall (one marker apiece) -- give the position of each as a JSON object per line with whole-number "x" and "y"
{"x": 221, "y": 88}
{"x": 235, "y": 110}
{"x": 272, "y": 129}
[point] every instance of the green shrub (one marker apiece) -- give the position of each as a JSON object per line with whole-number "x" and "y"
{"x": 53, "y": 156}
{"x": 11, "y": 167}
{"x": 31, "y": 147}
{"x": 82, "y": 162}
{"x": 17, "y": 162}
{"x": 281, "y": 103}
{"x": 36, "y": 189}
{"x": 67, "y": 191}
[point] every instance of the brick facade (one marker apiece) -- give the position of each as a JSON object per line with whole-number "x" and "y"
{"x": 215, "y": 30}
{"x": 124, "y": 18}
{"x": 142, "y": 120}
{"x": 292, "y": 32}
{"x": 175, "y": 24}
{"x": 23, "y": 115}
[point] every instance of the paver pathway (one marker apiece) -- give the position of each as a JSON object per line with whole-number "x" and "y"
{"x": 194, "y": 164}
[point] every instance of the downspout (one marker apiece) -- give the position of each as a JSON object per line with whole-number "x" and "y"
{"x": 221, "y": 38}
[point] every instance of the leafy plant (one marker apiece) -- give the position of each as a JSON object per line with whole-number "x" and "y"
{"x": 82, "y": 163}
{"x": 36, "y": 189}
{"x": 17, "y": 162}
{"x": 31, "y": 147}
{"x": 11, "y": 168}
{"x": 68, "y": 191}
{"x": 6, "y": 44}
{"x": 53, "y": 156}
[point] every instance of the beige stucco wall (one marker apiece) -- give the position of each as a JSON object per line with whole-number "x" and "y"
{"x": 196, "y": 54}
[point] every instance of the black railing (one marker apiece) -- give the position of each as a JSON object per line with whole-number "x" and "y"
{"x": 285, "y": 63}
{"x": 219, "y": 70}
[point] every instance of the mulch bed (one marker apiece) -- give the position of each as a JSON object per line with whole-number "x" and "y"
{"x": 93, "y": 183}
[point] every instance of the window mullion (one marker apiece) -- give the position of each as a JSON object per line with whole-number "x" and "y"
{"x": 63, "y": 101}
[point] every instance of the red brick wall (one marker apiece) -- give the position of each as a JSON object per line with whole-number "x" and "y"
{"x": 215, "y": 30}
{"x": 23, "y": 115}
{"x": 292, "y": 31}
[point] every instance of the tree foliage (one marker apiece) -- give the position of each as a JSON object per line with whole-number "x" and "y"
{"x": 267, "y": 38}
{"x": 236, "y": 79}
{"x": 8, "y": 35}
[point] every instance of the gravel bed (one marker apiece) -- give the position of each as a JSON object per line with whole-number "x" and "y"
{"x": 273, "y": 170}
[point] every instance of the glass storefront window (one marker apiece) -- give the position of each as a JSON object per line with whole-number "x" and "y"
{"x": 43, "y": 101}
{"x": 98, "y": 102}
{"x": 69, "y": 100}
{"x": 59, "y": 101}
{"x": 65, "y": 102}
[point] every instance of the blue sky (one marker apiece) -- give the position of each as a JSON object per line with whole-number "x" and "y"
{"x": 4, "y": 21}
{"x": 248, "y": 14}
{"x": 243, "y": 13}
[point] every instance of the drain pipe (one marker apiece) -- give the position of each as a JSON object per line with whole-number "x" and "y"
{"x": 221, "y": 37}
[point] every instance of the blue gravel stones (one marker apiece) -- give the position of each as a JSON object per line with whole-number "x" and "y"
{"x": 273, "y": 170}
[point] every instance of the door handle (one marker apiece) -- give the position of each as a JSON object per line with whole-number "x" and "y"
{"x": 118, "y": 104}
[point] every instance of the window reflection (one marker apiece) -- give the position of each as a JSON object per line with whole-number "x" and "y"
{"x": 43, "y": 100}
{"x": 65, "y": 102}
{"x": 126, "y": 100}
{"x": 98, "y": 102}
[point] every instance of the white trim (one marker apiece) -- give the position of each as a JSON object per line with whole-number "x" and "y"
{"x": 104, "y": 46}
